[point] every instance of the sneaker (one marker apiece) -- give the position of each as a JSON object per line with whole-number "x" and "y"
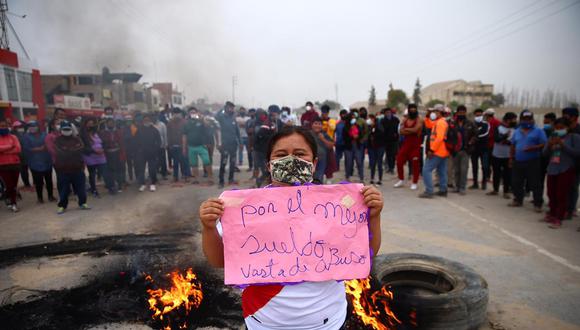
{"x": 462, "y": 192}
{"x": 152, "y": 188}
{"x": 233, "y": 183}
{"x": 221, "y": 185}
{"x": 40, "y": 201}
{"x": 507, "y": 196}
{"x": 515, "y": 204}
{"x": 399, "y": 184}
{"x": 426, "y": 195}
{"x": 142, "y": 188}
{"x": 85, "y": 207}
{"x": 371, "y": 182}
{"x": 119, "y": 191}
{"x": 442, "y": 193}
{"x": 60, "y": 210}
{"x": 473, "y": 187}
{"x": 492, "y": 193}
{"x": 555, "y": 224}
{"x": 14, "y": 208}
{"x": 414, "y": 186}
{"x": 538, "y": 209}
{"x": 380, "y": 183}
{"x": 328, "y": 181}
{"x": 51, "y": 199}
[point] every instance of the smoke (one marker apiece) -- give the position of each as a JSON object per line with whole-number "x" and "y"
{"x": 170, "y": 41}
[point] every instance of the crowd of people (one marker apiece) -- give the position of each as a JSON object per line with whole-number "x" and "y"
{"x": 514, "y": 153}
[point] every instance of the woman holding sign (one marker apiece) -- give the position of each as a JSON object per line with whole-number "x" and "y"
{"x": 292, "y": 156}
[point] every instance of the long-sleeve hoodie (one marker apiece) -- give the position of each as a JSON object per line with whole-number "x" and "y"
{"x": 147, "y": 141}
{"x": 438, "y": 136}
{"x": 68, "y": 154}
{"x": 9, "y": 150}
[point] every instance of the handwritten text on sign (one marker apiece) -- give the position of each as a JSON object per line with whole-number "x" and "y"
{"x": 295, "y": 234}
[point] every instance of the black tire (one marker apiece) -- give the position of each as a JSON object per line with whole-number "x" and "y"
{"x": 433, "y": 292}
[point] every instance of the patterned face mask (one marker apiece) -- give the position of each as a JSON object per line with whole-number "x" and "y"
{"x": 291, "y": 170}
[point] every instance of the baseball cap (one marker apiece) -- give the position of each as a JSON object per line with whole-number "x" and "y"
{"x": 489, "y": 112}
{"x": 526, "y": 113}
{"x": 438, "y": 107}
{"x": 65, "y": 124}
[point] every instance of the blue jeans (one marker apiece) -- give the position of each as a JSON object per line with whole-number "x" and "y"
{"x": 354, "y": 155}
{"x": 179, "y": 161}
{"x": 440, "y": 164}
{"x": 338, "y": 153}
{"x": 320, "y": 170}
{"x": 241, "y": 153}
{"x": 376, "y": 158}
{"x": 64, "y": 181}
{"x": 99, "y": 169}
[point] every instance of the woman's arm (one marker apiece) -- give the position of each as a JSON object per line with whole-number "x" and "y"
{"x": 213, "y": 248}
{"x": 373, "y": 198}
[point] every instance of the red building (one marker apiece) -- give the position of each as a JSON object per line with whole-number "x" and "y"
{"x": 21, "y": 94}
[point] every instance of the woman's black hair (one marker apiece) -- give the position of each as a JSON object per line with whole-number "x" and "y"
{"x": 289, "y": 130}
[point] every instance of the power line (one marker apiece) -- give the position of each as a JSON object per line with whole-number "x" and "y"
{"x": 501, "y": 37}
{"x": 17, "y": 38}
{"x": 476, "y": 33}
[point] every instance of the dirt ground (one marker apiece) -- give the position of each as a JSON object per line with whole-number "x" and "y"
{"x": 84, "y": 261}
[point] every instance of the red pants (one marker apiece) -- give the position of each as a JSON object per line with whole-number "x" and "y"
{"x": 408, "y": 152}
{"x": 559, "y": 187}
{"x": 10, "y": 178}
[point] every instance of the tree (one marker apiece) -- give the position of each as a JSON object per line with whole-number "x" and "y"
{"x": 486, "y": 105}
{"x": 417, "y": 93}
{"x": 453, "y": 105}
{"x": 497, "y": 100}
{"x": 396, "y": 97}
{"x": 373, "y": 97}
{"x": 433, "y": 102}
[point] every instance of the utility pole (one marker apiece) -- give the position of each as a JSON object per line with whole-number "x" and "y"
{"x": 3, "y": 26}
{"x": 234, "y": 83}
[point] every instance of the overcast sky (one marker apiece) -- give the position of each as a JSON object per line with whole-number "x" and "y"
{"x": 287, "y": 52}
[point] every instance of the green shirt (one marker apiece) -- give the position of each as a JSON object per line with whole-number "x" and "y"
{"x": 195, "y": 132}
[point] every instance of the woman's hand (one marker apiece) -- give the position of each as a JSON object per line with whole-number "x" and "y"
{"x": 209, "y": 211}
{"x": 373, "y": 198}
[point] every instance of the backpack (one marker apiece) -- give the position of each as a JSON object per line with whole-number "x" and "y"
{"x": 453, "y": 139}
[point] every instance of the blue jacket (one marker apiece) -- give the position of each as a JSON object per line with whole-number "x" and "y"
{"x": 39, "y": 161}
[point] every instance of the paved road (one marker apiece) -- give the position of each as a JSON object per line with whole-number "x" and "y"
{"x": 533, "y": 272}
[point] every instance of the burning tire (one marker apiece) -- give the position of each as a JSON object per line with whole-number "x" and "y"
{"x": 432, "y": 292}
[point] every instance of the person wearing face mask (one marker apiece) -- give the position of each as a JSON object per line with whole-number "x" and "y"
{"x": 563, "y": 148}
{"x": 376, "y": 149}
{"x": 10, "y": 150}
{"x": 329, "y": 126}
{"x": 112, "y": 140}
{"x": 325, "y": 144}
{"x": 250, "y": 131}
{"x": 162, "y": 153}
{"x": 39, "y": 161}
{"x": 501, "y": 153}
{"x": 480, "y": 151}
{"x": 94, "y": 155}
{"x": 308, "y": 116}
{"x": 229, "y": 140}
{"x": 263, "y": 132}
{"x": 354, "y": 129}
{"x": 549, "y": 120}
{"x": 411, "y": 129}
{"x": 525, "y": 157}
{"x": 69, "y": 167}
{"x": 292, "y": 158}
{"x": 147, "y": 144}
{"x": 19, "y": 130}
{"x": 390, "y": 126}
{"x": 437, "y": 153}
{"x": 193, "y": 144}
{"x": 174, "y": 141}
{"x": 467, "y": 131}
{"x": 128, "y": 146}
{"x": 571, "y": 113}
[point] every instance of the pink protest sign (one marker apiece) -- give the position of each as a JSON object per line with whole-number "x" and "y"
{"x": 295, "y": 234}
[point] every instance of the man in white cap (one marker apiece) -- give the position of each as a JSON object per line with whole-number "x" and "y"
{"x": 437, "y": 153}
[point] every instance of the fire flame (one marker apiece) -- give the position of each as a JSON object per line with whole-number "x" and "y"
{"x": 372, "y": 308}
{"x": 185, "y": 291}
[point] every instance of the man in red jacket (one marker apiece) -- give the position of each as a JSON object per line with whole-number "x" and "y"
{"x": 9, "y": 162}
{"x": 308, "y": 117}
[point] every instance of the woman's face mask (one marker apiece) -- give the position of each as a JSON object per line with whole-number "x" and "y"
{"x": 433, "y": 116}
{"x": 561, "y": 132}
{"x": 478, "y": 119}
{"x": 291, "y": 170}
{"x": 66, "y": 132}
{"x": 352, "y": 121}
